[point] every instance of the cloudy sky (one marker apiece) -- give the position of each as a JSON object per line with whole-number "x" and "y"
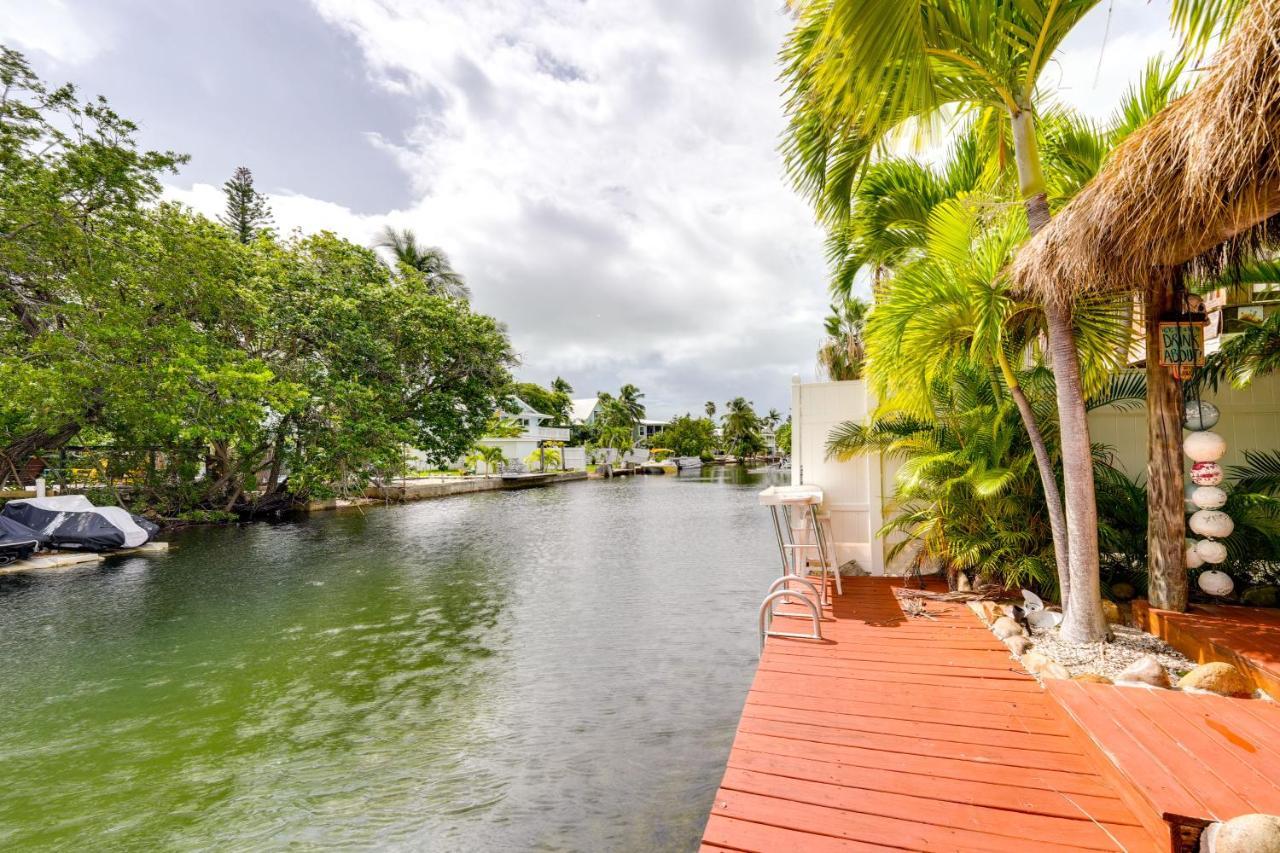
{"x": 603, "y": 172}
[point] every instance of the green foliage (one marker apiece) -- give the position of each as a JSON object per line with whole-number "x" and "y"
{"x": 247, "y": 213}
{"x": 1254, "y": 352}
{"x": 740, "y": 433}
{"x": 690, "y": 436}
{"x": 428, "y": 264}
{"x": 207, "y": 516}
{"x": 491, "y": 457}
{"x": 151, "y": 326}
{"x": 547, "y": 456}
{"x": 784, "y": 438}
{"x": 546, "y": 401}
{"x": 842, "y": 354}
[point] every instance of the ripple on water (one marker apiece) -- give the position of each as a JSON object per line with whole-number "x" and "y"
{"x": 499, "y": 671}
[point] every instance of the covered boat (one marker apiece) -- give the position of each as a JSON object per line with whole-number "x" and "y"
{"x": 17, "y": 541}
{"x": 72, "y": 521}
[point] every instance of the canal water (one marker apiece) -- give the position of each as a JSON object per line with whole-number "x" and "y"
{"x": 550, "y": 669}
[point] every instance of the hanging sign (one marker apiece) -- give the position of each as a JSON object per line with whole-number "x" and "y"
{"x": 1181, "y": 347}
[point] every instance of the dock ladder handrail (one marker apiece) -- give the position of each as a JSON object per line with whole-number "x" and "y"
{"x": 766, "y": 615}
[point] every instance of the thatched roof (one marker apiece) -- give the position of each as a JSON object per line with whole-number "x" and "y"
{"x": 1199, "y": 176}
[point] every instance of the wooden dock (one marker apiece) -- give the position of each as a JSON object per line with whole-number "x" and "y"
{"x": 914, "y": 733}
{"x": 1245, "y": 637}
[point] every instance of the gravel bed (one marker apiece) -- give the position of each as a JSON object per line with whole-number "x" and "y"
{"x": 1109, "y": 658}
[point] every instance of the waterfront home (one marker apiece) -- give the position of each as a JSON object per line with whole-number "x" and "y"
{"x": 583, "y": 411}
{"x": 534, "y": 434}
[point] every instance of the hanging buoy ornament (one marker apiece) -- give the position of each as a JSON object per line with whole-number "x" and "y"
{"x": 1194, "y": 560}
{"x": 1212, "y": 523}
{"x": 1204, "y": 446}
{"x": 1211, "y": 552}
{"x": 1208, "y": 497}
{"x": 1197, "y": 416}
{"x": 1206, "y": 473}
{"x": 1216, "y": 583}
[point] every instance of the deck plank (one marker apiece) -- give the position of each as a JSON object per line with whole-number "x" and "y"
{"x": 908, "y": 733}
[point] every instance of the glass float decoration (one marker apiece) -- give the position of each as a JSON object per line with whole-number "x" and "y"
{"x": 1197, "y": 416}
{"x": 1216, "y": 583}
{"x": 1204, "y": 446}
{"x": 1206, "y": 473}
{"x": 1208, "y": 497}
{"x": 1211, "y": 552}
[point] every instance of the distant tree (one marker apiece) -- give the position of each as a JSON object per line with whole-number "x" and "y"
{"x": 690, "y": 436}
{"x": 545, "y": 401}
{"x": 741, "y": 430}
{"x": 842, "y": 354}
{"x": 561, "y": 386}
{"x": 629, "y": 396}
{"x": 430, "y": 262}
{"x": 247, "y": 213}
{"x": 773, "y": 418}
{"x": 784, "y": 437}
{"x": 710, "y": 409}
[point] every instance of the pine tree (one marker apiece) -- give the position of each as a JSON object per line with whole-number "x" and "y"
{"x": 247, "y": 212}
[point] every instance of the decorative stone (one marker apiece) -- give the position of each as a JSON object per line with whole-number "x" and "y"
{"x": 1206, "y": 473}
{"x": 1145, "y": 670}
{"x": 1213, "y": 523}
{"x": 1261, "y": 596}
{"x": 962, "y": 583}
{"x": 1055, "y": 670}
{"x": 1033, "y": 662}
{"x": 1208, "y": 497}
{"x": 1211, "y": 552}
{"x": 1198, "y": 416}
{"x": 1092, "y": 678}
{"x": 1123, "y": 591}
{"x": 1018, "y": 644}
{"x": 1217, "y": 677}
{"x": 1214, "y": 582}
{"x": 1111, "y": 611}
{"x": 1204, "y": 446}
{"x": 1248, "y": 833}
{"x": 1005, "y": 627}
{"x": 1194, "y": 560}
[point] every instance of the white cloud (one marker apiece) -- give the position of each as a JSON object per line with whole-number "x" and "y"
{"x": 50, "y": 27}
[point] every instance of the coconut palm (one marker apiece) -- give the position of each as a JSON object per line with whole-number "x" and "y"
{"x": 491, "y": 457}
{"x": 710, "y": 409}
{"x": 629, "y": 396}
{"x": 741, "y": 430}
{"x": 842, "y": 354}
{"x": 430, "y": 262}
{"x": 861, "y": 71}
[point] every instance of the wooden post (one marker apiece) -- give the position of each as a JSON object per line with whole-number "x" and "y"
{"x": 1166, "y": 559}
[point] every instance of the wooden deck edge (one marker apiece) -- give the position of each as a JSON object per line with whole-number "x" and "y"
{"x": 1153, "y": 820}
{"x": 1200, "y": 650}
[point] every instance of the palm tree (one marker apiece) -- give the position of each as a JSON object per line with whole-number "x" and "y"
{"x": 773, "y": 418}
{"x": 430, "y": 262}
{"x": 561, "y": 386}
{"x": 710, "y": 409}
{"x": 741, "y": 431}
{"x": 841, "y": 355}
{"x": 859, "y": 71}
{"x": 491, "y": 457}
{"x": 629, "y": 396}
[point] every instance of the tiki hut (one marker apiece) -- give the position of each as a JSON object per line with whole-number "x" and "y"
{"x": 1192, "y": 190}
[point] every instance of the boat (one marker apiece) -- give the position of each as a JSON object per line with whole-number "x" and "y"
{"x": 17, "y": 541}
{"x": 688, "y": 463}
{"x": 73, "y": 522}
{"x": 654, "y": 466}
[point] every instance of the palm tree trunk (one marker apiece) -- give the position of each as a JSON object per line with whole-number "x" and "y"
{"x": 1166, "y": 567}
{"x": 1083, "y": 621}
{"x": 1048, "y": 478}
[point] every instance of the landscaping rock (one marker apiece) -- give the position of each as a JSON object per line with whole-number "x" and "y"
{"x": 1043, "y": 666}
{"x": 1018, "y": 644}
{"x": 1145, "y": 670}
{"x": 1111, "y": 611}
{"x": 1123, "y": 591}
{"x": 962, "y": 583}
{"x": 1005, "y": 627}
{"x": 1092, "y": 678}
{"x": 1261, "y": 596}
{"x": 989, "y": 611}
{"x": 1221, "y": 678}
{"x": 1249, "y": 833}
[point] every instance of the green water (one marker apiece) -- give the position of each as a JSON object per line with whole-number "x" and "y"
{"x": 551, "y": 669}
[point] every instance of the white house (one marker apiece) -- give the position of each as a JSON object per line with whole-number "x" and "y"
{"x": 583, "y": 410}
{"x": 534, "y": 434}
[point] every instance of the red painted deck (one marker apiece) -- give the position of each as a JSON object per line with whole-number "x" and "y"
{"x": 1184, "y": 755}
{"x": 1247, "y": 637}
{"x": 910, "y": 733}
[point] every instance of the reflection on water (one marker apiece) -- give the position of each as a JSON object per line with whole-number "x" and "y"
{"x": 552, "y": 669}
